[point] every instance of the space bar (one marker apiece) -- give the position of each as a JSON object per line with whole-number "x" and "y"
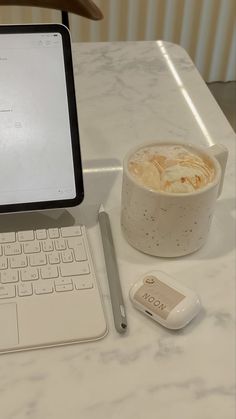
{"x": 72, "y": 269}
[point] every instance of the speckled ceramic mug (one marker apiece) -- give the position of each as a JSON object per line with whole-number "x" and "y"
{"x": 170, "y": 224}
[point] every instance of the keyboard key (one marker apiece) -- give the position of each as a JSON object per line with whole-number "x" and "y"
{"x": 12, "y": 249}
{"x": 24, "y": 236}
{"x": 48, "y": 272}
{"x": 29, "y": 274}
{"x": 32, "y": 247}
{"x": 43, "y": 287}
{"x": 67, "y": 256}
{"x": 80, "y": 253}
{"x": 71, "y": 269}
{"x": 25, "y": 290}
{"x": 3, "y": 262}
{"x": 53, "y": 233}
{"x": 60, "y": 244}
{"x": 7, "y": 237}
{"x": 38, "y": 259}
{"x": 71, "y": 231}
{"x": 9, "y": 276}
{"x": 19, "y": 261}
{"x": 47, "y": 245}
{"x": 53, "y": 258}
{"x": 83, "y": 283}
{"x": 41, "y": 234}
{"x": 74, "y": 242}
{"x": 7, "y": 291}
{"x": 65, "y": 287}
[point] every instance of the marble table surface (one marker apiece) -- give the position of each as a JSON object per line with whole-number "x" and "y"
{"x": 128, "y": 93}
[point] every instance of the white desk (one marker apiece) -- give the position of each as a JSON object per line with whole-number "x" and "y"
{"x": 128, "y": 93}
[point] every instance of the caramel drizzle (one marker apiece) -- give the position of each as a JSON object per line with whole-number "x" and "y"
{"x": 160, "y": 162}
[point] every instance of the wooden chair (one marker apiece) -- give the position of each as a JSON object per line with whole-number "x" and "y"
{"x": 85, "y": 8}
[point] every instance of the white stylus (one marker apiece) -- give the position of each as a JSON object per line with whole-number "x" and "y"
{"x": 117, "y": 301}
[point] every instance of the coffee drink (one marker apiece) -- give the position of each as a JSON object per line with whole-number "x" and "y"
{"x": 171, "y": 168}
{"x": 169, "y": 194}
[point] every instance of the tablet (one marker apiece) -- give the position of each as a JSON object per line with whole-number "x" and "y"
{"x": 40, "y": 162}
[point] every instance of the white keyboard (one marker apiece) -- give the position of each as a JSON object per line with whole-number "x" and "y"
{"x": 44, "y": 261}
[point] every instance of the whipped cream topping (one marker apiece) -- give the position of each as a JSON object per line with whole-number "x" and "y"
{"x": 171, "y": 168}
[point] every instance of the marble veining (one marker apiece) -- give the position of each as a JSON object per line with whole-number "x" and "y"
{"x": 128, "y": 93}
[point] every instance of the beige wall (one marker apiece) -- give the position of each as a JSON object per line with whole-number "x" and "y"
{"x": 205, "y": 28}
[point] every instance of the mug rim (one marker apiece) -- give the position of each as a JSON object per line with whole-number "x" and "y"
{"x": 199, "y": 148}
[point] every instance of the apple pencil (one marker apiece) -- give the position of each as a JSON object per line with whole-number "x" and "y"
{"x": 117, "y": 302}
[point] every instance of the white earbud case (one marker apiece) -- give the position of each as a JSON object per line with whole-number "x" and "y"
{"x": 161, "y": 298}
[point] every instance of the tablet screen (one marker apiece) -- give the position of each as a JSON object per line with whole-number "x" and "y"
{"x": 36, "y": 153}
